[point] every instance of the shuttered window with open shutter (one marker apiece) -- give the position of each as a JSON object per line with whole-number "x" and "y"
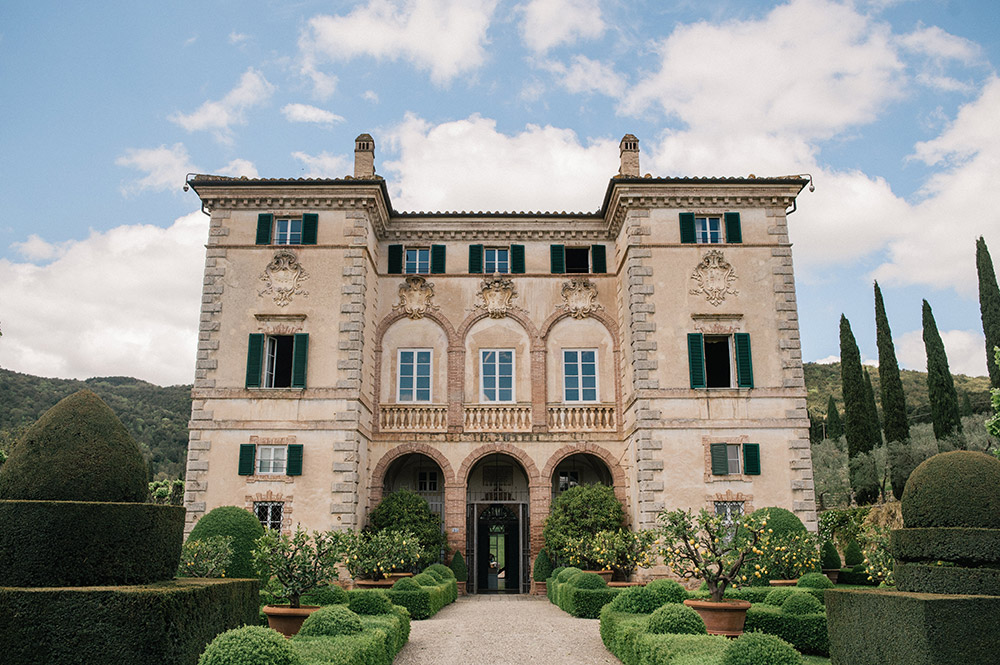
{"x": 310, "y": 226}
{"x": 744, "y": 363}
{"x": 751, "y": 459}
{"x": 734, "y": 233}
{"x": 300, "y": 353}
{"x": 395, "y": 256}
{"x": 720, "y": 459}
{"x": 255, "y": 360}
{"x": 475, "y": 259}
{"x": 557, "y": 259}
{"x": 517, "y": 259}
{"x": 687, "y": 228}
{"x": 294, "y": 459}
{"x": 598, "y": 260}
{"x": 437, "y": 259}
{"x": 696, "y": 360}
{"x": 248, "y": 452}
{"x": 265, "y": 221}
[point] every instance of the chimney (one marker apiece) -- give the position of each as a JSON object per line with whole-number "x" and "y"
{"x": 364, "y": 157}
{"x": 630, "y": 157}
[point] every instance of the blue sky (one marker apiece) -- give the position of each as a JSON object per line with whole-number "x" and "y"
{"x": 486, "y": 104}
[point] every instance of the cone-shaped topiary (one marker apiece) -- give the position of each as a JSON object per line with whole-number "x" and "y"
{"x": 459, "y": 568}
{"x": 543, "y": 567}
{"x": 77, "y": 451}
{"x": 852, "y": 555}
{"x": 955, "y": 489}
{"x": 242, "y": 526}
{"x": 829, "y": 556}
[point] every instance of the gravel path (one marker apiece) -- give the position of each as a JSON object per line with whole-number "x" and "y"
{"x": 504, "y": 630}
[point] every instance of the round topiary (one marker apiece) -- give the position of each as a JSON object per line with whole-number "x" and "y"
{"x": 587, "y": 581}
{"x": 325, "y": 595}
{"x": 815, "y": 581}
{"x": 555, "y": 573}
{"x": 760, "y": 648}
{"x": 77, "y": 451}
{"x": 444, "y": 571}
{"x": 635, "y": 600}
{"x": 829, "y": 557}
{"x": 459, "y": 568}
{"x": 955, "y": 489}
{"x": 667, "y": 591}
{"x": 802, "y": 603}
{"x": 567, "y": 573}
{"x": 676, "y": 618}
{"x": 781, "y": 521}
{"x": 331, "y": 620}
{"x": 852, "y": 555}
{"x": 369, "y": 601}
{"x": 426, "y": 579}
{"x": 250, "y": 645}
{"x": 406, "y": 584}
{"x": 433, "y": 573}
{"x": 241, "y": 525}
{"x": 778, "y": 596}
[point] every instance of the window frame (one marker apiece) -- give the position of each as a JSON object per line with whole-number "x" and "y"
{"x": 731, "y": 359}
{"x": 738, "y": 460}
{"x": 285, "y": 237}
{"x": 426, "y": 260}
{"x": 580, "y": 388}
{"x": 704, "y": 235}
{"x": 268, "y": 372}
{"x": 482, "y": 376}
{"x": 577, "y": 248}
{"x": 727, "y": 508}
{"x": 430, "y": 480}
{"x": 258, "y": 466}
{"x": 495, "y": 260}
{"x": 270, "y": 505}
{"x": 415, "y": 376}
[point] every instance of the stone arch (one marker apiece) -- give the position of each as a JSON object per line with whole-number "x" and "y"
{"x": 617, "y": 473}
{"x": 378, "y": 474}
{"x": 533, "y": 337}
{"x": 386, "y": 323}
{"x": 479, "y": 453}
{"x": 606, "y": 319}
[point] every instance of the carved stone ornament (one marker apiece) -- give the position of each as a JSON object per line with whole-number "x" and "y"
{"x": 415, "y": 296}
{"x": 579, "y": 297}
{"x": 283, "y": 276}
{"x": 496, "y": 295}
{"x": 715, "y": 278}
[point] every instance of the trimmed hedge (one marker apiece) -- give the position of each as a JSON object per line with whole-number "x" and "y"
{"x": 806, "y": 632}
{"x": 325, "y": 595}
{"x": 380, "y": 639}
{"x": 966, "y": 547}
{"x": 758, "y": 594}
{"x": 921, "y": 578}
{"x": 584, "y": 602}
{"x": 369, "y": 601}
{"x": 856, "y": 575}
{"x": 84, "y": 543}
{"x": 636, "y": 600}
{"x": 239, "y": 524}
{"x": 567, "y": 573}
{"x": 814, "y": 581}
{"x": 626, "y": 635}
{"x": 668, "y": 591}
{"x": 331, "y": 620}
{"x": 954, "y": 489}
{"x": 677, "y": 619}
{"x": 758, "y": 648}
{"x": 801, "y": 603}
{"x": 444, "y": 571}
{"x": 166, "y": 622}
{"x": 587, "y": 581}
{"x": 250, "y": 645}
{"x": 421, "y": 600}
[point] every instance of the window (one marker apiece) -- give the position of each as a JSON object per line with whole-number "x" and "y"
{"x": 418, "y": 261}
{"x": 492, "y": 260}
{"x": 414, "y": 375}
{"x": 734, "y": 458}
{"x": 415, "y": 260}
{"x": 271, "y": 459}
{"x": 269, "y": 513}
{"x": 568, "y": 479}
{"x": 718, "y": 372}
{"x": 711, "y": 359}
{"x": 277, "y": 361}
{"x": 729, "y": 510}
{"x": 590, "y": 259}
{"x": 496, "y": 260}
{"x": 708, "y": 229}
{"x": 497, "y": 375}
{"x": 580, "y": 375}
{"x": 577, "y": 259}
{"x": 427, "y": 481}
{"x": 287, "y": 231}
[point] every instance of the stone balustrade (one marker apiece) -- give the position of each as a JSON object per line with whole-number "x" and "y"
{"x": 498, "y": 418}
{"x": 413, "y": 417}
{"x": 581, "y": 418}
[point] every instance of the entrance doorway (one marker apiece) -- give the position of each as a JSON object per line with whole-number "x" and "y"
{"x": 499, "y": 540}
{"x": 497, "y": 536}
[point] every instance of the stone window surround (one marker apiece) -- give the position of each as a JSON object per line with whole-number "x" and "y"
{"x": 272, "y": 496}
{"x": 706, "y": 442}
{"x": 729, "y": 495}
{"x": 269, "y": 477}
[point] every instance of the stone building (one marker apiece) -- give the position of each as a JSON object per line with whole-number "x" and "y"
{"x": 489, "y": 361}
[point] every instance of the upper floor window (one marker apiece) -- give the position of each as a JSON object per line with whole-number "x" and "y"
{"x": 492, "y": 260}
{"x": 277, "y": 361}
{"x": 271, "y": 459}
{"x": 586, "y": 259}
{"x": 711, "y": 359}
{"x": 416, "y": 260}
{"x": 414, "y": 375}
{"x": 710, "y": 229}
{"x": 732, "y": 459}
{"x": 287, "y": 231}
{"x": 579, "y": 375}
{"x": 496, "y": 260}
{"x": 497, "y": 372}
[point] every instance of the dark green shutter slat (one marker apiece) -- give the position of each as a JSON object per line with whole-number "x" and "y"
{"x": 687, "y": 228}
{"x": 720, "y": 460}
{"x": 437, "y": 259}
{"x": 733, "y": 231}
{"x": 395, "y": 260}
{"x": 751, "y": 459}
{"x": 255, "y": 359}
{"x": 744, "y": 364}
{"x": 265, "y": 221}
{"x": 247, "y": 453}
{"x": 598, "y": 259}
{"x": 475, "y": 259}
{"x": 517, "y": 259}
{"x": 300, "y": 352}
{"x": 696, "y": 360}
{"x": 310, "y": 224}
{"x": 294, "y": 467}
{"x": 557, "y": 258}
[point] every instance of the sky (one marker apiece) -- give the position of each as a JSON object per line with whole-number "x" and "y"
{"x": 890, "y": 106}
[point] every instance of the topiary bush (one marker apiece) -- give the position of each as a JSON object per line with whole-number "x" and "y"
{"x": 829, "y": 557}
{"x": 815, "y": 581}
{"x": 240, "y": 525}
{"x": 459, "y": 568}
{"x": 331, "y": 620}
{"x": 635, "y": 600}
{"x": 676, "y": 618}
{"x": 404, "y": 510}
{"x": 443, "y": 571}
{"x": 954, "y": 489}
{"x": 77, "y": 451}
{"x": 250, "y": 645}
{"x": 433, "y": 573}
{"x": 781, "y": 521}
{"x": 758, "y": 649}
{"x": 580, "y": 512}
{"x": 425, "y": 579}
{"x": 406, "y": 584}
{"x": 567, "y": 573}
{"x": 852, "y": 555}
{"x": 587, "y": 581}
{"x": 369, "y": 601}
{"x": 778, "y": 596}
{"x": 667, "y": 591}
{"x": 543, "y": 567}
{"x": 801, "y": 603}
{"x": 325, "y": 595}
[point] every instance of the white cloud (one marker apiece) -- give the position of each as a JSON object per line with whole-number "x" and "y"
{"x": 252, "y": 90}
{"x": 370, "y": 96}
{"x": 36, "y": 248}
{"x": 829, "y": 360}
{"x": 239, "y": 167}
{"x": 966, "y": 350}
{"x": 469, "y": 165}
{"x": 444, "y": 37}
{"x": 586, "y": 75}
{"x": 324, "y": 165}
{"x": 120, "y": 302}
{"x": 237, "y": 37}
{"x": 165, "y": 167}
{"x": 934, "y": 42}
{"x": 307, "y": 113}
{"x": 550, "y": 23}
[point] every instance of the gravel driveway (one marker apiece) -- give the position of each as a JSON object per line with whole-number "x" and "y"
{"x": 504, "y": 630}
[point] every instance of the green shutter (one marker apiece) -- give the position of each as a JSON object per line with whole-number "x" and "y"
{"x": 310, "y": 224}
{"x": 294, "y": 467}
{"x": 557, "y": 259}
{"x": 300, "y": 352}
{"x": 751, "y": 459}
{"x": 255, "y": 359}
{"x": 437, "y": 259}
{"x": 733, "y": 231}
{"x": 598, "y": 260}
{"x": 475, "y": 259}
{"x": 265, "y": 221}
{"x": 517, "y": 259}
{"x": 687, "y": 228}
{"x": 395, "y": 266}
{"x": 247, "y": 453}
{"x": 744, "y": 364}
{"x": 696, "y": 359}
{"x": 720, "y": 460}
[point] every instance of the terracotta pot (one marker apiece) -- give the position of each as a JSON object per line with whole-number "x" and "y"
{"x": 617, "y": 585}
{"x": 539, "y": 588}
{"x": 461, "y": 588}
{"x": 396, "y": 576}
{"x": 287, "y": 620}
{"x": 374, "y": 584}
{"x": 606, "y": 574}
{"x": 723, "y": 618}
{"x": 784, "y": 582}
{"x": 832, "y": 574}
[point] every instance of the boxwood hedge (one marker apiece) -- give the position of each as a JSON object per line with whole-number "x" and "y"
{"x": 423, "y": 600}
{"x": 922, "y": 578}
{"x": 585, "y": 602}
{"x": 963, "y": 546}
{"x": 627, "y": 636}
{"x": 806, "y": 632}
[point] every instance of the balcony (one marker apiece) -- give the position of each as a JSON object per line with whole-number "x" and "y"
{"x": 413, "y": 417}
{"x": 582, "y": 418}
{"x": 433, "y": 418}
{"x": 498, "y": 418}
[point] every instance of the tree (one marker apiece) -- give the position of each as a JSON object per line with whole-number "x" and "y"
{"x": 815, "y": 428}
{"x": 872, "y": 407}
{"x": 861, "y": 431}
{"x": 834, "y": 425}
{"x": 940, "y": 387}
{"x": 897, "y": 427}
{"x": 989, "y": 306}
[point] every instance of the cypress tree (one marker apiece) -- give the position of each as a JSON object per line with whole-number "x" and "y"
{"x": 966, "y": 404}
{"x": 872, "y": 407}
{"x": 834, "y": 425}
{"x": 861, "y": 431}
{"x": 897, "y": 428}
{"x": 989, "y": 307}
{"x": 815, "y": 428}
{"x": 940, "y": 386}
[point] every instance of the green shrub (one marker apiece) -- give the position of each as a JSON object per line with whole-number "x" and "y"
{"x": 250, "y": 645}
{"x": 208, "y": 557}
{"x": 543, "y": 567}
{"x": 330, "y": 594}
{"x": 801, "y": 603}
{"x": 852, "y": 555}
{"x": 829, "y": 557}
{"x": 926, "y": 578}
{"x": 459, "y": 568}
{"x": 815, "y": 581}
{"x": 667, "y": 591}
{"x": 425, "y": 579}
{"x": 965, "y": 547}
{"x": 676, "y": 618}
{"x": 779, "y": 595}
{"x": 77, "y": 451}
{"x": 626, "y": 636}
{"x": 587, "y": 581}
{"x": 332, "y": 620}
{"x": 404, "y": 510}
{"x": 635, "y": 600}
{"x": 781, "y": 521}
{"x": 579, "y": 512}
{"x": 240, "y": 525}
{"x": 567, "y": 573}
{"x": 433, "y": 573}
{"x": 369, "y": 601}
{"x": 442, "y": 570}
{"x": 406, "y": 584}
{"x": 953, "y": 489}
{"x": 758, "y": 649}
{"x": 806, "y": 632}
{"x": 856, "y": 575}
